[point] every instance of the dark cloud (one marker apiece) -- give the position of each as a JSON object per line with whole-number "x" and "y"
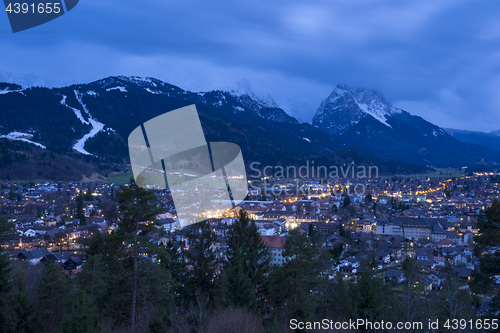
{"x": 437, "y": 59}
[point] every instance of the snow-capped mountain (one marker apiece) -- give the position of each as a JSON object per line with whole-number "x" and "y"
{"x": 345, "y": 107}
{"x": 364, "y": 119}
{"x": 264, "y": 106}
{"x": 242, "y": 87}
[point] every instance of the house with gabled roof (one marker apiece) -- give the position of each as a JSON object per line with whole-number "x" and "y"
{"x": 396, "y": 276}
{"x": 445, "y": 243}
{"x": 33, "y": 256}
{"x": 56, "y": 257}
{"x": 425, "y": 257}
{"x": 276, "y": 246}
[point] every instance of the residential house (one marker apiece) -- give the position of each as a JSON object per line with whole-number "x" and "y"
{"x": 33, "y": 256}
{"x": 462, "y": 272}
{"x": 396, "y": 276}
{"x": 167, "y": 224}
{"x": 276, "y": 246}
{"x": 267, "y": 230}
{"x": 425, "y": 257}
{"x": 439, "y": 261}
{"x": 74, "y": 261}
{"x": 460, "y": 259}
{"x": 413, "y": 228}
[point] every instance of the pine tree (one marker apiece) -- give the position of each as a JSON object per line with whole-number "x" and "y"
{"x": 27, "y": 320}
{"x": 107, "y": 278}
{"x": 138, "y": 212}
{"x": 247, "y": 264}
{"x": 84, "y": 316}
{"x": 170, "y": 259}
{"x": 347, "y": 201}
{"x": 80, "y": 210}
{"x": 52, "y": 297}
{"x": 201, "y": 256}
{"x": 489, "y": 261}
{"x": 310, "y": 230}
{"x": 296, "y": 282}
{"x": 239, "y": 290}
{"x": 154, "y": 292}
{"x": 372, "y": 298}
{"x": 340, "y": 299}
{"x": 6, "y": 233}
{"x": 23, "y": 307}
{"x": 490, "y": 229}
{"x": 5, "y": 287}
{"x": 88, "y": 194}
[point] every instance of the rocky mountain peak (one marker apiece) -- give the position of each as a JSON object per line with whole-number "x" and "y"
{"x": 346, "y": 106}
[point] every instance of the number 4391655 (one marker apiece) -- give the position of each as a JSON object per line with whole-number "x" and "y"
{"x": 41, "y": 8}
{"x": 478, "y": 324}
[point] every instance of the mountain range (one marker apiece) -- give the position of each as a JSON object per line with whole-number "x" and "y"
{"x": 364, "y": 119}
{"x": 87, "y": 125}
{"x": 490, "y": 140}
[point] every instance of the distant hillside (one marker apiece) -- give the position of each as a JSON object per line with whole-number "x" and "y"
{"x": 489, "y": 140}
{"x": 24, "y": 161}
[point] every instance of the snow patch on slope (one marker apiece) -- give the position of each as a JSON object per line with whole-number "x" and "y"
{"x": 80, "y": 144}
{"x": 25, "y": 137}
{"x": 96, "y": 128}
{"x": 373, "y": 103}
{"x": 140, "y": 80}
{"x": 375, "y": 111}
{"x": 154, "y": 92}
{"x": 7, "y": 91}
{"x": 120, "y": 88}
{"x": 77, "y": 112}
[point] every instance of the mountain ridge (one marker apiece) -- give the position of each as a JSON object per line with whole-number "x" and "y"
{"x": 364, "y": 119}
{"x": 489, "y": 140}
{"x": 94, "y": 119}
{"x": 97, "y": 117}
{"x": 345, "y": 107}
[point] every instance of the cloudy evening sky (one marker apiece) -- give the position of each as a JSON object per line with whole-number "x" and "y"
{"x": 437, "y": 59}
